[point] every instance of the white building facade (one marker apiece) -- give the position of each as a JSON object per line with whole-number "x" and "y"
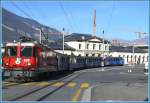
{"x": 96, "y": 47}
{"x": 91, "y": 47}
{"x": 129, "y": 58}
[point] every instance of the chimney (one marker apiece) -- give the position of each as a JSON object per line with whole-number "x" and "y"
{"x": 94, "y": 24}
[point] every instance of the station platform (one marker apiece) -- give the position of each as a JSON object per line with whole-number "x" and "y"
{"x": 117, "y": 92}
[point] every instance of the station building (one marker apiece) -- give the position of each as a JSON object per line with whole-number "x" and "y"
{"x": 87, "y": 45}
{"x": 138, "y": 56}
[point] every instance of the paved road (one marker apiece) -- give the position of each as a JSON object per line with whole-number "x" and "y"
{"x": 84, "y": 85}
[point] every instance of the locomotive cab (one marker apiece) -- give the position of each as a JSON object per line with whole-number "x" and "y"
{"x": 19, "y": 59}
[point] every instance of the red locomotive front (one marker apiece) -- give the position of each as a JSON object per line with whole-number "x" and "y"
{"x": 20, "y": 59}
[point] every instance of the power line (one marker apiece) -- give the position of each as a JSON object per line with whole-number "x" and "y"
{"x": 25, "y": 13}
{"x": 65, "y": 13}
{"x": 73, "y": 20}
{"x": 111, "y": 17}
{"x": 29, "y": 9}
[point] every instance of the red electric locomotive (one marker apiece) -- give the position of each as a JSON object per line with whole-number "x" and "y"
{"x": 24, "y": 60}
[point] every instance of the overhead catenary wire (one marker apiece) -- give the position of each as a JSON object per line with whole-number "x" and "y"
{"x": 28, "y": 15}
{"x": 66, "y": 16}
{"x": 72, "y": 17}
{"x": 21, "y": 10}
{"x": 111, "y": 18}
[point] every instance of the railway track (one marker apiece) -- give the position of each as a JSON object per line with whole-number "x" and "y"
{"x": 36, "y": 90}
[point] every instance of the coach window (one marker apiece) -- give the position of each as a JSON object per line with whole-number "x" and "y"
{"x": 79, "y": 46}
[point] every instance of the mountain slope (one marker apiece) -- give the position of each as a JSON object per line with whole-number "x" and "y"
{"x": 14, "y": 26}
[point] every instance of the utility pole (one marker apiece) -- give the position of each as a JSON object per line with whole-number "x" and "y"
{"x": 103, "y": 44}
{"x": 40, "y": 36}
{"x": 103, "y": 51}
{"x": 63, "y": 39}
{"x": 47, "y": 35}
{"x": 39, "y": 29}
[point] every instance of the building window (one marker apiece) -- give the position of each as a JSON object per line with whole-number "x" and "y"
{"x": 123, "y": 56}
{"x": 143, "y": 59}
{"x": 93, "y": 55}
{"x": 99, "y": 47}
{"x": 87, "y": 55}
{"x": 79, "y": 46}
{"x": 139, "y": 60}
{"x": 87, "y": 46}
{"x": 135, "y": 58}
{"x": 99, "y": 55}
{"x": 94, "y": 46}
{"x": 105, "y": 47}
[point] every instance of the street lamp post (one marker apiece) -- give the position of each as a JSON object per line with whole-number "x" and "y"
{"x": 103, "y": 52}
{"x": 103, "y": 45}
{"x": 133, "y": 59}
{"x": 63, "y": 39}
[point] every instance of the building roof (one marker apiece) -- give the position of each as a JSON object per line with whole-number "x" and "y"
{"x": 81, "y": 37}
{"x": 126, "y": 49}
{"x": 59, "y": 46}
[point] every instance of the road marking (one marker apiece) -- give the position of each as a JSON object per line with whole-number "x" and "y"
{"x": 71, "y": 84}
{"x": 58, "y": 84}
{"x": 42, "y": 84}
{"x": 9, "y": 84}
{"x": 84, "y": 85}
{"x": 6, "y": 82}
{"x": 27, "y": 84}
{"x": 132, "y": 74}
{"x": 76, "y": 96}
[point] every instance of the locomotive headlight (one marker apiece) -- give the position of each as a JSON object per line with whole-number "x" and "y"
{"x": 29, "y": 63}
{"x": 6, "y": 63}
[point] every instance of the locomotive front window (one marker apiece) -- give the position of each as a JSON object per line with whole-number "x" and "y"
{"x": 11, "y": 51}
{"x": 26, "y": 51}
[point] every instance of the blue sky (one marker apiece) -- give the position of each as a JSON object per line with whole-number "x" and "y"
{"x": 119, "y": 19}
